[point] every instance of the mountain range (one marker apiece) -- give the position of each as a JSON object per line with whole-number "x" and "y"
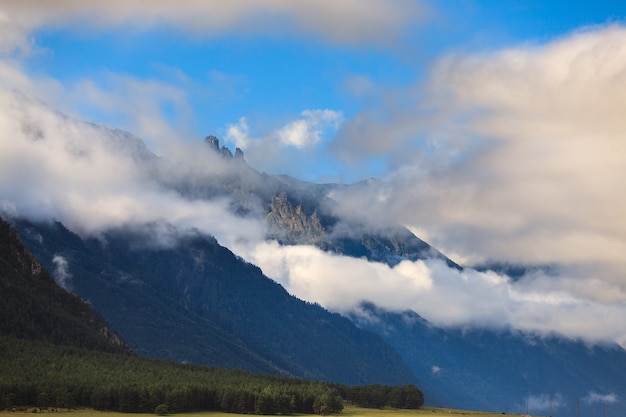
{"x": 190, "y": 299}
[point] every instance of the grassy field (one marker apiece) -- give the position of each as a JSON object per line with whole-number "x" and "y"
{"x": 349, "y": 411}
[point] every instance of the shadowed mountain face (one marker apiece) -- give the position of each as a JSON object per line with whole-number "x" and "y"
{"x": 35, "y": 307}
{"x": 198, "y": 302}
{"x": 502, "y": 370}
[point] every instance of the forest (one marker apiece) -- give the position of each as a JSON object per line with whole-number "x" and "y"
{"x": 39, "y": 374}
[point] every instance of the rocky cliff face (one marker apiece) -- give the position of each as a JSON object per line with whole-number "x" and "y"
{"x": 289, "y": 224}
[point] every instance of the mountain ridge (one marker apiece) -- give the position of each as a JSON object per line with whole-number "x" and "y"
{"x": 163, "y": 301}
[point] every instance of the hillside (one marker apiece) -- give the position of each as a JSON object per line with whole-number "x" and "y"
{"x": 34, "y": 307}
{"x": 502, "y": 370}
{"x": 197, "y": 302}
{"x": 55, "y": 352}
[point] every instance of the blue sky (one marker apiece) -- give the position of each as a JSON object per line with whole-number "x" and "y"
{"x": 496, "y": 130}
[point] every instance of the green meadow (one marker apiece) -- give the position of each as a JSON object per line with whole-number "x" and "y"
{"x": 348, "y": 411}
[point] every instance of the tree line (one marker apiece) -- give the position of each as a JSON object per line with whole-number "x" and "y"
{"x": 44, "y": 375}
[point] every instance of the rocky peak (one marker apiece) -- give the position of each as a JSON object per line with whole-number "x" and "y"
{"x": 214, "y": 143}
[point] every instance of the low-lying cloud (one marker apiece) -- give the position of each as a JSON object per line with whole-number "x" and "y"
{"x": 61, "y": 273}
{"x": 93, "y": 178}
{"x": 544, "y": 403}
{"x": 443, "y": 295}
{"x": 594, "y": 397}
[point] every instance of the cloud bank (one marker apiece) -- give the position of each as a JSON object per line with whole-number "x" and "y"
{"x": 93, "y": 178}
{"x": 513, "y": 156}
{"x": 443, "y": 295}
{"x": 349, "y": 21}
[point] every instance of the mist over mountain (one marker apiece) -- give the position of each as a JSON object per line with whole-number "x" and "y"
{"x": 164, "y": 247}
{"x": 92, "y": 178}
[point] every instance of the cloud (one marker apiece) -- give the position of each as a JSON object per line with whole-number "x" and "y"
{"x": 297, "y": 146}
{"x": 594, "y": 397}
{"x": 348, "y": 21}
{"x": 62, "y": 274}
{"x": 533, "y": 303}
{"x": 306, "y": 131}
{"x": 13, "y": 36}
{"x": 152, "y": 109}
{"x": 544, "y": 402}
{"x": 514, "y": 155}
{"x": 92, "y": 178}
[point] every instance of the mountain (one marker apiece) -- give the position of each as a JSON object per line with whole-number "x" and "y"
{"x": 55, "y": 352}
{"x": 502, "y": 370}
{"x": 193, "y": 300}
{"x": 34, "y": 307}
{"x": 197, "y": 302}
{"x": 297, "y": 212}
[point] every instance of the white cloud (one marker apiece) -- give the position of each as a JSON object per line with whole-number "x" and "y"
{"x": 92, "y": 178}
{"x": 514, "y": 156}
{"x": 297, "y": 146}
{"x": 306, "y": 131}
{"x": 239, "y": 133}
{"x": 13, "y": 36}
{"x": 594, "y": 397}
{"x": 545, "y": 402}
{"x": 444, "y": 296}
{"x": 348, "y": 21}
{"x": 62, "y": 274}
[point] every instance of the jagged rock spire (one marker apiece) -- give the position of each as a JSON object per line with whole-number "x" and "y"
{"x": 214, "y": 143}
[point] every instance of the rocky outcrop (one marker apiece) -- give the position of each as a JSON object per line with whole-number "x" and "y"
{"x": 214, "y": 143}
{"x": 288, "y": 223}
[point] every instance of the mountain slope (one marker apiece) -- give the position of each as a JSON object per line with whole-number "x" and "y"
{"x": 198, "y": 302}
{"x": 297, "y": 212}
{"x": 501, "y": 370}
{"x": 35, "y": 307}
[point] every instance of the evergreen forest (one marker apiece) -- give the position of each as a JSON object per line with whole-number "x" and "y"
{"x": 36, "y": 373}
